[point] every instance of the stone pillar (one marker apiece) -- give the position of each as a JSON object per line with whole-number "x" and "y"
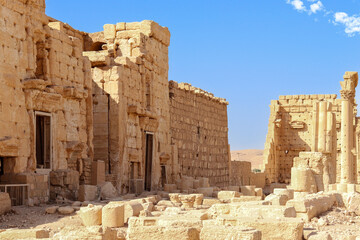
{"x": 322, "y": 126}
{"x": 347, "y": 95}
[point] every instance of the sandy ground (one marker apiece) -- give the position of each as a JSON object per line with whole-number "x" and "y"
{"x": 255, "y": 156}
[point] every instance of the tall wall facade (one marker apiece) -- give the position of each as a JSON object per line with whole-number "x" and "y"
{"x": 131, "y": 103}
{"x": 69, "y": 99}
{"x": 45, "y": 118}
{"x": 303, "y": 123}
{"x": 199, "y": 131}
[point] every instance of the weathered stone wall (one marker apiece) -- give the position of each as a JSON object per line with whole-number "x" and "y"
{"x": 42, "y": 71}
{"x": 240, "y": 173}
{"x": 199, "y": 131}
{"x": 130, "y": 98}
{"x": 302, "y": 123}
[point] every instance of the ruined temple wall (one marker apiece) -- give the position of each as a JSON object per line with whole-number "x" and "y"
{"x": 42, "y": 71}
{"x": 131, "y": 98}
{"x": 199, "y": 130}
{"x": 294, "y": 126}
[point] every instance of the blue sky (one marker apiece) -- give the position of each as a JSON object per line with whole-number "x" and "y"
{"x": 247, "y": 51}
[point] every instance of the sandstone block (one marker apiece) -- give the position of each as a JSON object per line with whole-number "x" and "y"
{"x": 210, "y": 201}
{"x": 113, "y": 215}
{"x": 109, "y": 31}
{"x": 170, "y": 187}
{"x": 277, "y": 199}
{"x": 246, "y": 199}
{"x": 227, "y": 195}
{"x": 91, "y": 215}
{"x": 234, "y": 188}
{"x": 88, "y": 193}
{"x": 282, "y": 191}
{"x": 108, "y": 191}
{"x": 208, "y": 191}
{"x": 217, "y": 232}
{"x": 132, "y": 209}
{"x": 5, "y": 203}
{"x": 51, "y": 210}
{"x": 248, "y": 190}
{"x": 65, "y": 210}
{"x": 271, "y": 228}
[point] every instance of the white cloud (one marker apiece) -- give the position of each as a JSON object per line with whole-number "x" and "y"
{"x": 316, "y": 7}
{"x": 351, "y": 23}
{"x": 298, "y": 4}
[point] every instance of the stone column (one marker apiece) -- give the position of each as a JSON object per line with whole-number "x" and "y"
{"x": 322, "y": 126}
{"x": 347, "y": 95}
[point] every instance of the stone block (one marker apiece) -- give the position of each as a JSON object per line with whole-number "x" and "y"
{"x": 88, "y": 193}
{"x": 226, "y": 196}
{"x": 246, "y": 199}
{"x": 170, "y": 187}
{"x": 24, "y": 234}
{"x": 277, "y": 199}
{"x": 98, "y": 172}
{"x": 108, "y": 191}
{"x": 248, "y": 190}
{"x": 271, "y": 228}
{"x": 217, "y": 232}
{"x": 234, "y": 188}
{"x": 5, "y": 203}
{"x": 66, "y": 210}
{"x": 282, "y": 191}
{"x": 210, "y": 201}
{"x": 113, "y": 215}
{"x": 109, "y": 31}
{"x": 91, "y": 215}
{"x": 132, "y": 209}
{"x": 208, "y": 191}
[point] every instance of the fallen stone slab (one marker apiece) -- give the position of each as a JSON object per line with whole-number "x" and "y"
{"x": 24, "y": 234}
{"x": 312, "y": 205}
{"x": 216, "y": 232}
{"x": 246, "y": 199}
{"x": 271, "y": 228}
{"x": 158, "y": 233}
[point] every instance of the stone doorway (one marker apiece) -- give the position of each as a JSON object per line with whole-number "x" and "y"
{"x": 148, "y": 160}
{"x": 43, "y": 141}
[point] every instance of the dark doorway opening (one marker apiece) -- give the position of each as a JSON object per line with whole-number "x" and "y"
{"x": 148, "y": 161}
{"x": 163, "y": 175}
{"x": 43, "y": 142}
{"x": 1, "y": 166}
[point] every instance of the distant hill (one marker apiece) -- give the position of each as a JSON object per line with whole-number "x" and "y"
{"x": 255, "y": 156}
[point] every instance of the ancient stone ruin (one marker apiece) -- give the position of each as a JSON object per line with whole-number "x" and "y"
{"x": 97, "y": 143}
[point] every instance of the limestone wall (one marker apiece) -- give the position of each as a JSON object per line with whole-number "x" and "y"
{"x": 199, "y": 131}
{"x": 302, "y": 123}
{"x": 130, "y": 99}
{"x": 43, "y": 72}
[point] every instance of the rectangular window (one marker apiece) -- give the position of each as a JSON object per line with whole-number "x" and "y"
{"x": 43, "y": 141}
